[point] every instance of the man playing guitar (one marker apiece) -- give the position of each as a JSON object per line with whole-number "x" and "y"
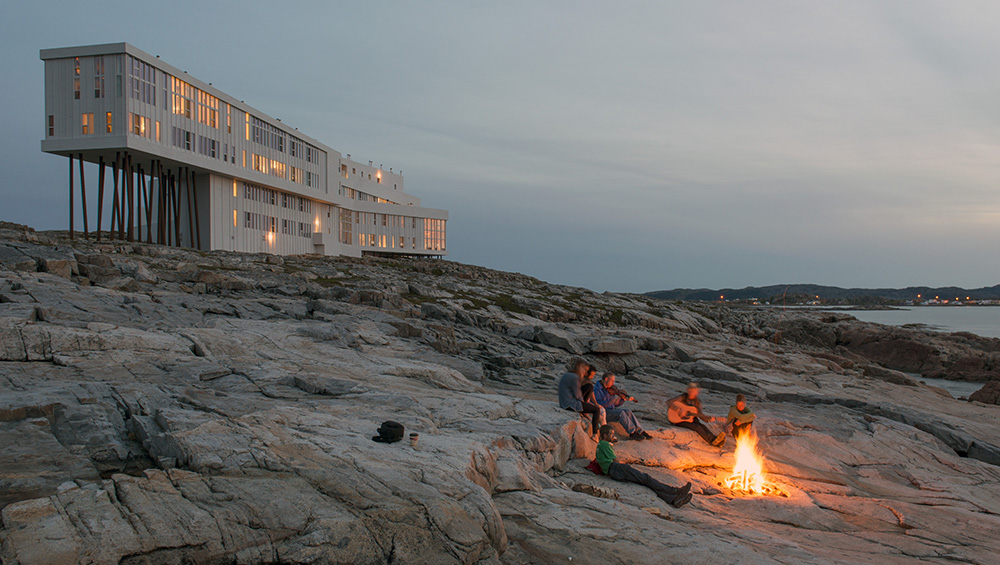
{"x": 685, "y": 411}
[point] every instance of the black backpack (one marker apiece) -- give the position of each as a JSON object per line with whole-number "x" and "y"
{"x": 389, "y": 432}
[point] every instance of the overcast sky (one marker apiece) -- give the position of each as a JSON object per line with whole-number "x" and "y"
{"x": 630, "y": 146}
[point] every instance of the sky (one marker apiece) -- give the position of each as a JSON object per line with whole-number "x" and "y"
{"x": 630, "y": 146}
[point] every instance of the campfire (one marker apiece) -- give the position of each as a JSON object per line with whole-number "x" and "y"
{"x": 748, "y": 475}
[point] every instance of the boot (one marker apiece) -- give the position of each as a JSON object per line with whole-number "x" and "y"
{"x": 680, "y": 500}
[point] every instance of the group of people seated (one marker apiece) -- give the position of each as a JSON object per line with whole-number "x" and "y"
{"x": 603, "y": 402}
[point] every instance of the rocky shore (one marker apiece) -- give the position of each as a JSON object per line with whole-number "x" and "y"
{"x": 161, "y": 405}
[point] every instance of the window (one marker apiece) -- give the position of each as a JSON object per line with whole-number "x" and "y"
{"x": 277, "y": 168}
{"x": 157, "y": 131}
{"x": 208, "y": 109}
{"x": 99, "y": 78}
{"x": 229, "y": 119}
{"x": 87, "y": 121}
{"x": 296, "y": 175}
{"x": 346, "y": 227}
{"x": 208, "y": 147}
{"x": 109, "y": 122}
{"x": 183, "y": 97}
{"x": 267, "y": 135}
{"x": 183, "y": 138}
{"x": 434, "y": 234}
{"x": 142, "y": 81}
{"x": 76, "y": 78}
{"x": 140, "y": 125}
{"x": 52, "y": 125}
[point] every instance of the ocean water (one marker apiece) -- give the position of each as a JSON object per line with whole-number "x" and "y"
{"x": 980, "y": 320}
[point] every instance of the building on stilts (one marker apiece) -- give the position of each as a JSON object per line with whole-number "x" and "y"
{"x": 179, "y": 162}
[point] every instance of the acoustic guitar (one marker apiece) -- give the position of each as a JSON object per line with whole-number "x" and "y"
{"x": 678, "y": 412}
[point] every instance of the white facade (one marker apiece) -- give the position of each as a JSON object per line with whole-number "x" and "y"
{"x": 257, "y": 184}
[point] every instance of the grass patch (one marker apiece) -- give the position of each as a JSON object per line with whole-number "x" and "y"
{"x": 416, "y": 298}
{"x": 506, "y": 303}
{"x": 616, "y": 317}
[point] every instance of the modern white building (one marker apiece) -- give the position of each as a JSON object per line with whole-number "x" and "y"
{"x": 184, "y": 163}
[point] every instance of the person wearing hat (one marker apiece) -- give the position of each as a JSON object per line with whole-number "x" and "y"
{"x": 740, "y": 417}
{"x": 685, "y": 411}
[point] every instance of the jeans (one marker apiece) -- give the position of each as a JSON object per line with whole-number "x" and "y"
{"x": 740, "y": 429}
{"x": 597, "y": 418}
{"x": 623, "y": 472}
{"x": 626, "y": 418}
{"x": 699, "y": 427}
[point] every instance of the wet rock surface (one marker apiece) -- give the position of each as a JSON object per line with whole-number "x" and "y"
{"x": 160, "y": 405}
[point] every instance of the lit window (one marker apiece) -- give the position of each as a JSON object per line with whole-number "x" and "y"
{"x": 183, "y": 97}
{"x": 87, "y": 121}
{"x": 235, "y": 223}
{"x": 208, "y": 109}
{"x": 109, "y": 122}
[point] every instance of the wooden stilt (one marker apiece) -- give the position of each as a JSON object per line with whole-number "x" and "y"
{"x": 149, "y": 205}
{"x": 130, "y": 217}
{"x": 177, "y": 208}
{"x": 197, "y": 224}
{"x": 121, "y": 199}
{"x": 160, "y": 211}
{"x": 190, "y": 210}
{"x": 83, "y": 199}
{"x": 171, "y": 181}
{"x": 141, "y": 193}
{"x": 100, "y": 195}
{"x": 114, "y": 199}
{"x": 71, "y": 196}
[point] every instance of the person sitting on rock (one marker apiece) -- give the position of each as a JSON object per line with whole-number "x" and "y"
{"x": 616, "y": 390}
{"x": 613, "y": 411}
{"x": 607, "y": 460}
{"x": 587, "y": 385}
{"x": 685, "y": 411}
{"x": 571, "y": 397}
{"x": 740, "y": 417}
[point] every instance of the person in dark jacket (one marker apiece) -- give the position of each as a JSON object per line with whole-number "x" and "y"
{"x": 571, "y": 397}
{"x": 685, "y": 411}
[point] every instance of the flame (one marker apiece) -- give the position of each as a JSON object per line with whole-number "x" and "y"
{"x": 748, "y": 472}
